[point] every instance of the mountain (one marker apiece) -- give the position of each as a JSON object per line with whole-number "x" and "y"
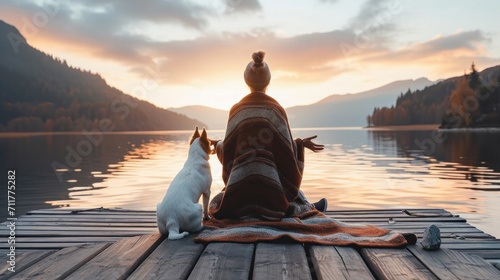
{"x": 334, "y": 110}
{"x": 350, "y": 109}
{"x": 41, "y": 93}
{"x": 214, "y": 118}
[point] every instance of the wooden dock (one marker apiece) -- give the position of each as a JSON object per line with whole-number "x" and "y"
{"x": 125, "y": 244}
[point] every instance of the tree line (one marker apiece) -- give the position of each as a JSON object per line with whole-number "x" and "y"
{"x": 41, "y": 93}
{"x": 469, "y": 101}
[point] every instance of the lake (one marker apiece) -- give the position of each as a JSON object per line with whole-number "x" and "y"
{"x": 359, "y": 169}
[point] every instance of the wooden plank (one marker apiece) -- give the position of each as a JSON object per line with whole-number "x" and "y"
{"x": 152, "y": 219}
{"x": 61, "y": 263}
{"x": 472, "y": 246}
{"x": 469, "y": 237}
{"x": 89, "y": 219}
{"x": 120, "y": 259}
{"x": 338, "y": 263}
{"x": 71, "y": 211}
{"x": 94, "y": 217}
{"x": 392, "y": 215}
{"x": 447, "y": 264}
{"x": 281, "y": 261}
{"x": 459, "y": 235}
{"x": 47, "y": 246}
{"x": 152, "y": 215}
{"x": 23, "y": 261}
{"x": 64, "y": 239}
{"x": 444, "y": 226}
{"x": 97, "y": 214}
{"x": 5, "y": 232}
{"x": 457, "y": 242}
{"x": 414, "y": 213}
{"x": 407, "y": 219}
{"x": 383, "y": 210}
{"x": 384, "y": 216}
{"x": 425, "y": 224}
{"x": 444, "y": 230}
{"x": 170, "y": 260}
{"x": 33, "y": 233}
{"x": 395, "y": 264}
{"x": 465, "y": 228}
{"x": 224, "y": 261}
{"x": 79, "y": 224}
{"x": 453, "y": 237}
{"x": 485, "y": 254}
{"x": 469, "y": 240}
{"x": 68, "y": 210}
{"x": 77, "y": 228}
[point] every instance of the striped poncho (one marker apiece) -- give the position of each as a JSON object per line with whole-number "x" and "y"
{"x": 262, "y": 164}
{"x": 262, "y": 170}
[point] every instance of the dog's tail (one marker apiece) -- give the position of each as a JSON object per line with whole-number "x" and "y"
{"x": 173, "y": 231}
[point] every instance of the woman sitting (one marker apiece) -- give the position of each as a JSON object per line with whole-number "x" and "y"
{"x": 262, "y": 163}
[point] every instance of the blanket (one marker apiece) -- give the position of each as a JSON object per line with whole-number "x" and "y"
{"x": 262, "y": 164}
{"x": 308, "y": 227}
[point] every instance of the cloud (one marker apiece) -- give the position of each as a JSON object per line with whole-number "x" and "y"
{"x": 104, "y": 25}
{"x": 95, "y": 17}
{"x": 467, "y": 40}
{"x": 241, "y": 6}
{"x": 465, "y": 43}
{"x": 443, "y": 54}
{"x": 329, "y": 1}
{"x": 112, "y": 30}
{"x": 126, "y": 12}
{"x": 298, "y": 59}
{"x": 378, "y": 12}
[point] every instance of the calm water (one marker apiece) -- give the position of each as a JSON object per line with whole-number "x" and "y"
{"x": 362, "y": 169}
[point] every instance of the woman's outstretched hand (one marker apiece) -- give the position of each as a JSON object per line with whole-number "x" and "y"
{"x": 214, "y": 143}
{"x": 311, "y": 145}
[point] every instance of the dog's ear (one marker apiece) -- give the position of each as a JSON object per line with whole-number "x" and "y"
{"x": 196, "y": 134}
{"x": 204, "y": 135}
{"x": 204, "y": 142}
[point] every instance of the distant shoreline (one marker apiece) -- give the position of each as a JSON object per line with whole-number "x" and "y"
{"x": 132, "y": 132}
{"x": 404, "y": 127}
{"x": 431, "y": 127}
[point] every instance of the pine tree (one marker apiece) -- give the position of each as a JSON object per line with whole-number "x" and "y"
{"x": 473, "y": 78}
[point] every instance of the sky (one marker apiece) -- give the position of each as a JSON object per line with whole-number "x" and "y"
{"x": 176, "y": 53}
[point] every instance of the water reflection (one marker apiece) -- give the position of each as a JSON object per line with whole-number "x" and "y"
{"x": 460, "y": 172}
{"x": 118, "y": 172}
{"x": 465, "y": 155}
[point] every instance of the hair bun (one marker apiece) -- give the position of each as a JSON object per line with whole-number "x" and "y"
{"x": 258, "y": 57}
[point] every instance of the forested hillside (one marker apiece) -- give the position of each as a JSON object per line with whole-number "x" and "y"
{"x": 468, "y": 101}
{"x": 41, "y": 93}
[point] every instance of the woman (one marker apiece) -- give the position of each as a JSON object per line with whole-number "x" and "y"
{"x": 262, "y": 171}
{"x": 262, "y": 164}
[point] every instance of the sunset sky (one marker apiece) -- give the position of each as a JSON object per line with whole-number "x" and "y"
{"x": 176, "y": 53}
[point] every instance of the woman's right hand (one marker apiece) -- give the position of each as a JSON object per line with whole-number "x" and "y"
{"x": 311, "y": 145}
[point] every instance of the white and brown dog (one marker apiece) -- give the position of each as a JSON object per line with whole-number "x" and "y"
{"x": 180, "y": 213}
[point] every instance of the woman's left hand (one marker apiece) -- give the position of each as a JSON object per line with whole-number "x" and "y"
{"x": 311, "y": 145}
{"x": 213, "y": 143}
